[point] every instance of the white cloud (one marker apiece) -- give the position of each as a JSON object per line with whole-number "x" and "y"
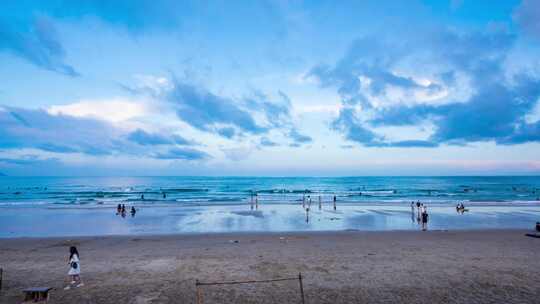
{"x": 156, "y": 84}
{"x": 317, "y": 108}
{"x": 112, "y": 110}
{"x": 534, "y": 115}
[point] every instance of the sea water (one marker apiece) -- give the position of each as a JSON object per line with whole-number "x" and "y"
{"x": 75, "y": 191}
{"x": 65, "y": 206}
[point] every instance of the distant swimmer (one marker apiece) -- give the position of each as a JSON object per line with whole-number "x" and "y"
{"x": 164, "y": 195}
{"x": 142, "y": 196}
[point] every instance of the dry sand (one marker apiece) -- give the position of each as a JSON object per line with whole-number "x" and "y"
{"x": 345, "y": 267}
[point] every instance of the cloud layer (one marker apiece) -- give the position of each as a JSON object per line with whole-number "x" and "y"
{"x": 368, "y": 77}
{"x": 38, "y": 43}
{"x": 37, "y": 129}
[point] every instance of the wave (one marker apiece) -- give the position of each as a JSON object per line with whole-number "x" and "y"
{"x": 182, "y": 190}
{"x": 272, "y": 191}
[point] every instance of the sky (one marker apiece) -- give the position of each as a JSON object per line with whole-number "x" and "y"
{"x": 269, "y": 88}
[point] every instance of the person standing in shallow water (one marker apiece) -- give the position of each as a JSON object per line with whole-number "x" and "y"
{"x": 335, "y": 199}
{"x": 74, "y": 268}
{"x": 412, "y": 211}
{"x": 424, "y": 218}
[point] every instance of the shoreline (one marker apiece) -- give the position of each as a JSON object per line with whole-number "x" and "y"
{"x": 262, "y": 233}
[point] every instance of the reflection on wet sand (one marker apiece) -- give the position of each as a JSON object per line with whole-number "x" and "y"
{"x": 259, "y": 216}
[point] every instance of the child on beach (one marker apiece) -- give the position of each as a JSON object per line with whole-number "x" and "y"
{"x": 74, "y": 268}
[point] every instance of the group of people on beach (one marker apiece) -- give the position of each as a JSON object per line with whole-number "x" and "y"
{"x": 121, "y": 210}
{"x": 308, "y": 201}
{"x": 306, "y": 204}
{"x": 460, "y": 208}
{"x": 254, "y": 201}
{"x": 422, "y": 214}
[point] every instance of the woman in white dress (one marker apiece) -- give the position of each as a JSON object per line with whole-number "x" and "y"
{"x": 74, "y": 268}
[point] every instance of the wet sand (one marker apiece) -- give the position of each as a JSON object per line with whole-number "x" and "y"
{"x": 495, "y": 266}
{"x": 80, "y": 221}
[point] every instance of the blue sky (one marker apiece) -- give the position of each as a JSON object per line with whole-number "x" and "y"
{"x": 269, "y": 87}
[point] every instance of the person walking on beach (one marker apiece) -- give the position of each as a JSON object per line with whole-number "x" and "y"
{"x": 335, "y": 207}
{"x": 74, "y": 272}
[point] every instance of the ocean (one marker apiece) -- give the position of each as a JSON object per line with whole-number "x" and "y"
{"x": 75, "y": 191}
{"x": 86, "y": 206}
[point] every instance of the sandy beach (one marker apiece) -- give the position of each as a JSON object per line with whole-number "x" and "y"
{"x": 495, "y": 266}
